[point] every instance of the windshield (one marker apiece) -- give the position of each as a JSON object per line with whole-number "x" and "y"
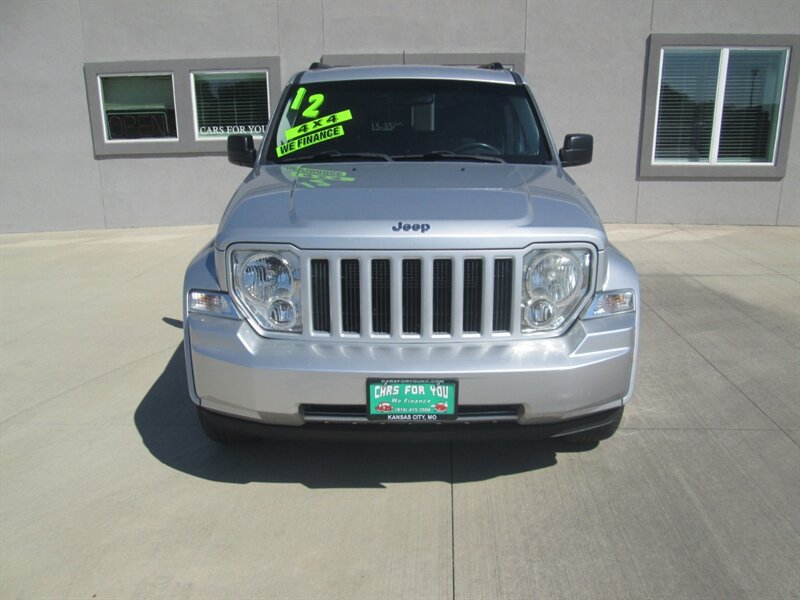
{"x": 408, "y": 119}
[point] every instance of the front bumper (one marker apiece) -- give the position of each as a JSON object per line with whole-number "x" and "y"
{"x": 384, "y": 432}
{"x": 236, "y": 373}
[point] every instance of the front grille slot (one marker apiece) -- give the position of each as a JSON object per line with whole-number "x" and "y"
{"x": 320, "y": 299}
{"x": 351, "y": 296}
{"x": 501, "y": 307}
{"x": 381, "y": 296}
{"x": 473, "y": 295}
{"x": 412, "y": 296}
{"x": 356, "y": 413}
{"x": 442, "y": 296}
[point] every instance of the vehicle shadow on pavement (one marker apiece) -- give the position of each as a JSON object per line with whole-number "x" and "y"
{"x": 166, "y": 419}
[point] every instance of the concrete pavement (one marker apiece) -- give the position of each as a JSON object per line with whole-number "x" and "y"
{"x": 109, "y": 489}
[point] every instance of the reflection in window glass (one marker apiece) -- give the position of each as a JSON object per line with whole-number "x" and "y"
{"x": 753, "y": 92}
{"x": 138, "y": 107}
{"x": 232, "y": 102}
{"x": 686, "y": 104}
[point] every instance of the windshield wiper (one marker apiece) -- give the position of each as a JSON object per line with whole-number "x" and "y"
{"x": 448, "y": 155}
{"x": 340, "y": 156}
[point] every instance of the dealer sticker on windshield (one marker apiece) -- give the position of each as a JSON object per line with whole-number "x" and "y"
{"x": 411, "y": 400}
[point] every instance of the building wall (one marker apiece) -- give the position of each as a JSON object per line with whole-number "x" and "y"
{"x": 584, "y": 58}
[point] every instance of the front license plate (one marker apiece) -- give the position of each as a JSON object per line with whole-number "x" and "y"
{"x": 412, "y": 400}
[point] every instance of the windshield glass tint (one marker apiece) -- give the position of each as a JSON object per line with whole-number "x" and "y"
{"x": 411, "y": 119}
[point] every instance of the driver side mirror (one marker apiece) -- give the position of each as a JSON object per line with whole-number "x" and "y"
{"x": 577, "y": 150}
{"x": 241, "y": 150}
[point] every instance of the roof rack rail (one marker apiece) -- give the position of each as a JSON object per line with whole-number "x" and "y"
{"x": 318, "y": 65}
{"x": 494, "y": 66}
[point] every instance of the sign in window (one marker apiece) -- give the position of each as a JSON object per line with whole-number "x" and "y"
{"x": 138, "y": 107}
{"x": 230, "y": 102}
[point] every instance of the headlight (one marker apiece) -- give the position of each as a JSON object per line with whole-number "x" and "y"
{"x": 267, "y": 284}
{"x": 556, "y": 282}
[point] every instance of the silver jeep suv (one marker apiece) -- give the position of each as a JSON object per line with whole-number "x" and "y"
{"x": 408, "y": 256}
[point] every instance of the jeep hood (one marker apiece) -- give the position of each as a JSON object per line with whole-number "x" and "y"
{"x": 456, "y": 205}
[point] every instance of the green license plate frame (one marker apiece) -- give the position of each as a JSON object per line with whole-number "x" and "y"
{"x": 415, "y": 401}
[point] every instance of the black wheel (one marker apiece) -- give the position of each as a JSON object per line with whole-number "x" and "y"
{"x": 217, "y": 433}
{"x": 592, "y": 436}
{"x": 477, "y": 148}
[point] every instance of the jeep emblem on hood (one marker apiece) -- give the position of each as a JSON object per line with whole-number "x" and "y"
{"x": 423, "y": 227}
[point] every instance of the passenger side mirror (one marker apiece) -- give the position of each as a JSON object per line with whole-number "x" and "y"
{"x": 577, "y": 150}
{"x": 241, "y": 150}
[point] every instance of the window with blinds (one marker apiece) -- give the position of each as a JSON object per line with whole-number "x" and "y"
{"x": 230, "y": 102}
{"x": 719, "y": 105}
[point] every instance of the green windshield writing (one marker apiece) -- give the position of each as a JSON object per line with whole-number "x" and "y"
{"x": 316, "y": 124}
{"x": 323, "y": 135}
{"x": 298, "y": 99}
{"x": 314, "y": 102}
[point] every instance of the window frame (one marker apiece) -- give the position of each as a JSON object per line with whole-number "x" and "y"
{"x": 650, "y": 169}
{"x": 187, "y": 143}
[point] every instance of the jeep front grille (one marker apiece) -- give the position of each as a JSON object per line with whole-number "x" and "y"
{"x": 399, "y": 297}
